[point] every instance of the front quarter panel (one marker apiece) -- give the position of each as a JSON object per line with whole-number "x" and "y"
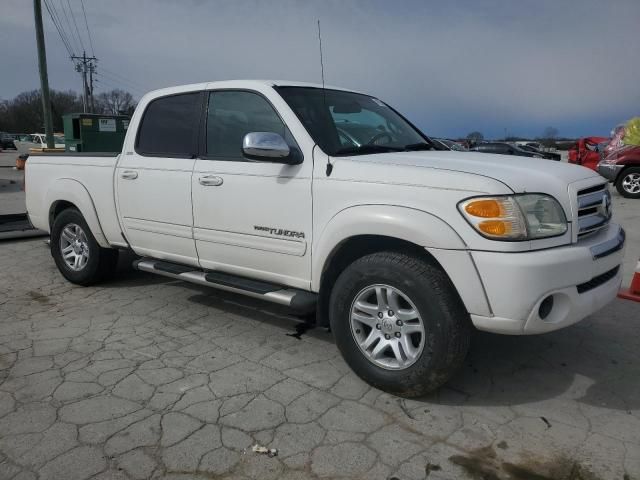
{"x": 411, "y": 225}
{"x": 404, "y": 223}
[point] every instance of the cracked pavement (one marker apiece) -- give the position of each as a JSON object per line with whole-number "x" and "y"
{"x": 145, "y": 377}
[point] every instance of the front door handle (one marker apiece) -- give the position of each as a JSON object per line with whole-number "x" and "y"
{"x": 210, "y": 181}
{"x": 129, "y": 175}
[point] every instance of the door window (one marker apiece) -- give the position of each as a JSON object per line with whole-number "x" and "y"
{"x": 169, "y": 126}
{"x": 233, "y": 114}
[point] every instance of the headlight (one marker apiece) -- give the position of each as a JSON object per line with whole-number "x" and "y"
{"x": 528, "y": 216}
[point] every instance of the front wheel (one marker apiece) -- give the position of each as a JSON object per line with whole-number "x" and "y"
{"x": 399, "y": 323}
{"x": 628, "y": 183}
{"x": 77, "y": 254}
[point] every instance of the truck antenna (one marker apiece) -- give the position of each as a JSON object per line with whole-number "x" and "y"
{"x": 324, "y": 95}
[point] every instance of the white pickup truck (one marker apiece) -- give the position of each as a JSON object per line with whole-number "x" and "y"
{"x": 330, "y": 200}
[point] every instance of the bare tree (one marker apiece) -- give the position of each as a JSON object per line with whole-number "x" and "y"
{"x": 115, "y": 102}
{"x": 475, "y": 137}
{"x": 550, "y": 133}
{"x": 23, "y": 114}
{"x": 5, "y": 121}
{"x": 549, "y": 136}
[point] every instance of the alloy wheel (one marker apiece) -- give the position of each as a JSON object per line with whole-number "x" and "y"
{"x": 631, "y": 183}
{"x": 387, "y": 327}
{"x": 74, "y": 247}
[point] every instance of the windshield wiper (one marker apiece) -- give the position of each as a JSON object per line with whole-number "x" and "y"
{"x": 363, "y": 149}
{"x": 412, "y": 147}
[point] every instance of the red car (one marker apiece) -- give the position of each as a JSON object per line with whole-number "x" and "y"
{"x": 620, "y": 165}
{"x": 586, "y": 152}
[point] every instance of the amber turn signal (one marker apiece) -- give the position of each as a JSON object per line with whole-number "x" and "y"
{"x": 485, "y": 208}
{"x": 495, "y": 227}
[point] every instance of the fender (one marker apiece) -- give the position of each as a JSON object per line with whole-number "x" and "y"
{"x": 405, "y": 223}
{"x": 72, "y": 191}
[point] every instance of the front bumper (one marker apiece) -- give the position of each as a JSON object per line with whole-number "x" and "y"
{"x": 609, "y": 171}
{"x": 581, "y": 278}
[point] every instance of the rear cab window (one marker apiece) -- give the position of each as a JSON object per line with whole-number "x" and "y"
{"x": 169, "y": 126}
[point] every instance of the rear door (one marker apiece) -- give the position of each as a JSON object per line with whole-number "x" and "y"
{"x": 153, "y": 179}
{"x": 251, "y": 218}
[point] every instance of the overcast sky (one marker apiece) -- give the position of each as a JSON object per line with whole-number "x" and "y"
{"x": 450, "y": 66}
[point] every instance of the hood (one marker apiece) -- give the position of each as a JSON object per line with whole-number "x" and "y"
{"x": 520, "y": 174}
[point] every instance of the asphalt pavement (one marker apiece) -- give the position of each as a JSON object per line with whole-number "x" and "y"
{"x": 145, "y": 377}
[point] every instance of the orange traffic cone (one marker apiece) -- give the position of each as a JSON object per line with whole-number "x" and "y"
{"x": 633, "y": 292}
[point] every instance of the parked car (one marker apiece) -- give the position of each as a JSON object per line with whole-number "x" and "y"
{"x": 529, "y": 143}
{"x": 400, "y": 248}
{"x": 447, "y": 144}
{"x": 620, "y": 164}
{"x": 7, "y": 141}
{"x": 586, "y": 152}
{"x": 503, "y": 148}
{"x": 39, "y": 140}
{"x": 547, "y": 155}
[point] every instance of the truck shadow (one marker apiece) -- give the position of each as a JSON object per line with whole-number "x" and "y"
{"x": 292, "y": 324}
{"x": 594, "y": 362}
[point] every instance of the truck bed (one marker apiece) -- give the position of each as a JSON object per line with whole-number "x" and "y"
{"x": 86, "y": 180}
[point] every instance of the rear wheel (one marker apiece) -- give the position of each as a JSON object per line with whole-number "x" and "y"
{"x": 77, "y": 254}
{"x": 628, "y": 183}
{"x": 399, "y": 323}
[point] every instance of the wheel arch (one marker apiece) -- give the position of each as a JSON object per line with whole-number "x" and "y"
{"x": 625, "y": 167}
{"x": 348, "y": 236}
{"x": 69, "y": 193}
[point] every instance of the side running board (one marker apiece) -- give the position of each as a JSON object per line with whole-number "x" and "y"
{"x": 298, "y": 300}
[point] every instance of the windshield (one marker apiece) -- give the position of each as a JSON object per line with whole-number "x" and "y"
{"x": 527, "y": 148}
{"x": 346, "y": 123}
{"x": 454, "y": 145}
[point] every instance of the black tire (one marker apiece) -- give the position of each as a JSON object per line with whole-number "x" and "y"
{"x": 625, "y": 174}
{"x": 446, "y": 322}
{"x": 101, "y": 262}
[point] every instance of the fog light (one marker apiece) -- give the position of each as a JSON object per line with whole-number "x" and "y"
{"x": 545, "y": 307}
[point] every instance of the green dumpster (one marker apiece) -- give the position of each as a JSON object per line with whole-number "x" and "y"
{"x": 92, "y": 132}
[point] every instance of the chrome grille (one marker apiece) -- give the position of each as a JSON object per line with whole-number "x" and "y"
{"x": 594, "y": 209}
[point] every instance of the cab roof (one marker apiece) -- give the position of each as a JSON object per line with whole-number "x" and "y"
{"x": 245, "y": 84}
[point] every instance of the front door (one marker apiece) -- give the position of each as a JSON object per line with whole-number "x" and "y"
{"x": 251, "y": 218}
{"x": 153, "y": 180}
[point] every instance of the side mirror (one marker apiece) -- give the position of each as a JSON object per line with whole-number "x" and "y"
{"x": 266, "y": 146}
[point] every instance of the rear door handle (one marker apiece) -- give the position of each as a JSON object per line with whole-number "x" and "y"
{"x": 129, "y": 175}
{"x": 210, "y": 181}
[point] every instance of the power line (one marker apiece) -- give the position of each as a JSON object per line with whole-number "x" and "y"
{"x": 62, "y": 26}
{"x": 87, "y": 25}
{"x": 107, "y": 84}
{"x": 53, "y": 13}
{"x": 68, "y": 22}
{"x": 100, "y": 80}
{"x": 73, "y": 17}
{"x": 127, "y": 84}
{"x": 114, "y": 83}
{"x": 56, "y": 22}
{"x": 117, "y": 75}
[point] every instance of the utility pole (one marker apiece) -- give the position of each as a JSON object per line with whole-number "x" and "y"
{"x": 44, "y": 78}
{"x": 86, "y": 65}
{"x": 92, "y": 70}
